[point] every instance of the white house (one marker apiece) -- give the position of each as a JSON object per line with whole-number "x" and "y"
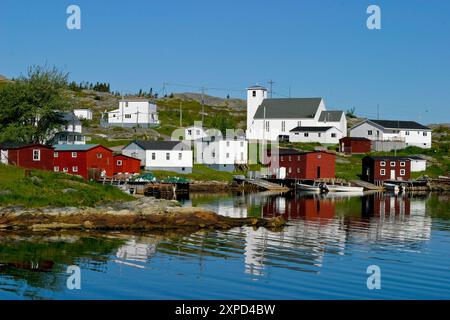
{"x": 323, "y": 135}
{"x": 409, "y": 132}
{"x": 222, "y": 154}
{"x": 70, "y": 132}
{"x": 273, "y": 119}
{"x": 418, "y": 164}
{"x": 73, "y": 124}
{"x": 132, "y": 112}
{"x": 194, "y": 133}
{"x": 161, "y": 155}
{"x": 83, "y": 113}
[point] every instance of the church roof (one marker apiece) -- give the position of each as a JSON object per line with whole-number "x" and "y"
{"x": 331, "y": 116}
{"x": 288, "y": 108}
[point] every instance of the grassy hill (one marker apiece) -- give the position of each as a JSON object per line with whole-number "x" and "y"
{"x": 45, "y": 188}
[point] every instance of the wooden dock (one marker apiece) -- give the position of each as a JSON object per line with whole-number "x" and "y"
{"x": 367, "y": 185}
{"x": 262, "y": 184}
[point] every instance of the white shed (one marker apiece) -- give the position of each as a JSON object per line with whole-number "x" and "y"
{"x": 418, "y": 164}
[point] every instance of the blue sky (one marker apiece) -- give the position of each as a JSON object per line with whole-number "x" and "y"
{"x": 313, "y": 48}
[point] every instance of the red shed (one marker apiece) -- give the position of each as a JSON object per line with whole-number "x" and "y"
{"x": 86, "y": 160}
{"x": 381, "y": 168}
{"x": 31, "y": 156}
{"x": 355, "y": 145}
{"x": 304, "y": 165}
{"x": 123, "y": 163}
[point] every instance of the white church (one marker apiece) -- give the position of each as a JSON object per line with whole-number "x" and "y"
{"x": 293, "y": 119}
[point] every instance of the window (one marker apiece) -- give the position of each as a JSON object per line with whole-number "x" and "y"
{"x": 242, "y": 143}
{"x": 242, "y": 156}
{"x": 189, "y": 132}
{"x": 65, "y": 169}
{"x": 396, "y": 131}
{"x": 119, "y": 162}
{"x": 319, "y": 134}
{"x": 213, "y": 154}
{"x": 298, "y": 170}
{"x": 290, "y": 170}
{"x": 228, "y": 155}
{"x": 282, "y": 158}
{"x": 55, "y": 154}
{"x": 289, "y": 158}
{"x": 74, "y": 154}
{"x": 126, "y": 104}
{"x": 180, "y": 156}
{"x": 153, "y": 156}
{"x": 56, "y": 168}
{"x": 299, "y": 123}
{"x": 383, "y": 163}
{"x": 36, "y": 155}
{"x": 319, "y": 156}
{"x": 74, "y": 169}
{"x": 425, "y": 134}
{"x": 99, "y": 155}
{"x": 283, "y": 126}
{"x": 254, "y": 93}
{"x": 198, "y": 132}
{"x": 298, "y": 158}
{"x": 333, "y": 135}
{"x": 228, "y": 143}
{"x": 403, "y": 164}
{"x": 402, "y": 172}
{"x": 306, "y": 134}
{"x": 167, "y": 156}
{"x": 406, "y": 133}
{"x": 369, "y": 133}
{"x": 128, "y": 116}
{"x": 393, "y": 163}
{"x": 382, "y": 172}
{"x": 267, "y": 126}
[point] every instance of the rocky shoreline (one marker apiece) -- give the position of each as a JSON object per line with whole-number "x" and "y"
{"x": 142, "y": 214}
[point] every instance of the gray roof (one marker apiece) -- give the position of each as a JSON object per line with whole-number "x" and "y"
{"x": 398, "y": 124}
{"x": 311, "y": 129}
{"x": 333, "y": 116}
{"x": 257, "y": 87}
{"x": 416, "y": 158}
{"x": 158, "y": 145}
{"x": 288, "y": 108}
{"x": 69, "y": 116}
{"x": 387, "y": 158}
{"x": 75, "y": 147}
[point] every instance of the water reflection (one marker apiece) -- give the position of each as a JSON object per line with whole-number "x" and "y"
{"x": 331, "y": 233}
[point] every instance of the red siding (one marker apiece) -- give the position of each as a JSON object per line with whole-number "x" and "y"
{"x": 85, "y": 160}
{"x": 23, "y": 157}
{"x": 372, "y": 169}
{"x": 308, "y": 166}
{"x": 129, "y": 164}
{"x": 355, "y": 145}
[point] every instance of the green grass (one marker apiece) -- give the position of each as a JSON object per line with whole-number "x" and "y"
{"x": 45, "y": 188}
{"x": 199, "y": 173}
{"x": 349, "y": 168}
{"x": 109, "y": 143}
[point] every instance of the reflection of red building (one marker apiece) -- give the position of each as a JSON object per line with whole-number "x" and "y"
{"x": 304, "y": 165}
{"x": 306, "y": 208}
{"x": 381, "y": 204}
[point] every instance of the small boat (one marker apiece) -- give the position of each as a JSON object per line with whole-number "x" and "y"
{"x": 392, "y": 187}
{"x": 342, "y": 188}
{"x": 309, "y": 188}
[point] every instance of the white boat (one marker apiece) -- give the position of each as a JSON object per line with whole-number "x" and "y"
{"x": 309, "y": 188}
{"x": 392, "y": 187}
{"x": 342, "y": 188}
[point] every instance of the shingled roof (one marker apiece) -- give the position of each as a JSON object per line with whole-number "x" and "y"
{"x": 331, "y": 116}
{"x": 288, "y": 108}
{"x": 158, "y": 145}
{"x": 398, "y": 124}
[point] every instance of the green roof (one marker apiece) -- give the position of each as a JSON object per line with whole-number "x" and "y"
{"x": 288, "y": 108}
{"x": 74, "y": 147}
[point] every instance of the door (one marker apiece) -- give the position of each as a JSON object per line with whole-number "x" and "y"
{"x": 318, "y": 172}
{"x": 392, "y": 174}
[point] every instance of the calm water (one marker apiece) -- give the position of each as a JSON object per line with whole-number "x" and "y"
{"x": 322, "y": 254}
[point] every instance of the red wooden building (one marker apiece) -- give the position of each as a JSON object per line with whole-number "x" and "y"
{"x": 123, "y": 164}
{"x": 355, "y": 145}
{"x": 86, "y": 160}
{"x": 31, "y": 156}
{"x": 304, "y": 165}
{"x": 378, "y": 169}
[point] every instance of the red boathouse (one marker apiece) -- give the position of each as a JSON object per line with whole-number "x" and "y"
{"x": 355, "y": 145}
{"x": 86, "y": 160}
{"x": 378, "y": 169}
{"x": 304, "y": 165}
{"x": 126, "y": 164}
{"x": 31, "y": 156}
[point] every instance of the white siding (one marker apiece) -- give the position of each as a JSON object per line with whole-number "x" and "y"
{"x": 222, "y": 152}
{"x": 174, "y": 161}
{"x": 319, "y": 137}
{"x": 83, "y": 113}
{"x": 134, "y": 113}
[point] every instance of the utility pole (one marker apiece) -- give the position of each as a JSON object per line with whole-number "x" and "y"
{"x": 271, "y": 83}
{"x": 181, "y": 115}
{"x": 164, "y": 89}
{"x": 203, "y": 104}
{"x": 378, "y": 112}
{"x": 137, "y": 118}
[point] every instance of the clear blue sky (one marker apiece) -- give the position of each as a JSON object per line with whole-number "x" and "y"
{"x": 315, "y": 48}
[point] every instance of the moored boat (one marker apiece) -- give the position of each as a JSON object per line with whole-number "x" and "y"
{"x": 342, "y": 188}
{"x": 309, "y": 188}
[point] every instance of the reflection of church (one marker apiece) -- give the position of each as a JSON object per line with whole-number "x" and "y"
{"x": 133, "y": 250}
